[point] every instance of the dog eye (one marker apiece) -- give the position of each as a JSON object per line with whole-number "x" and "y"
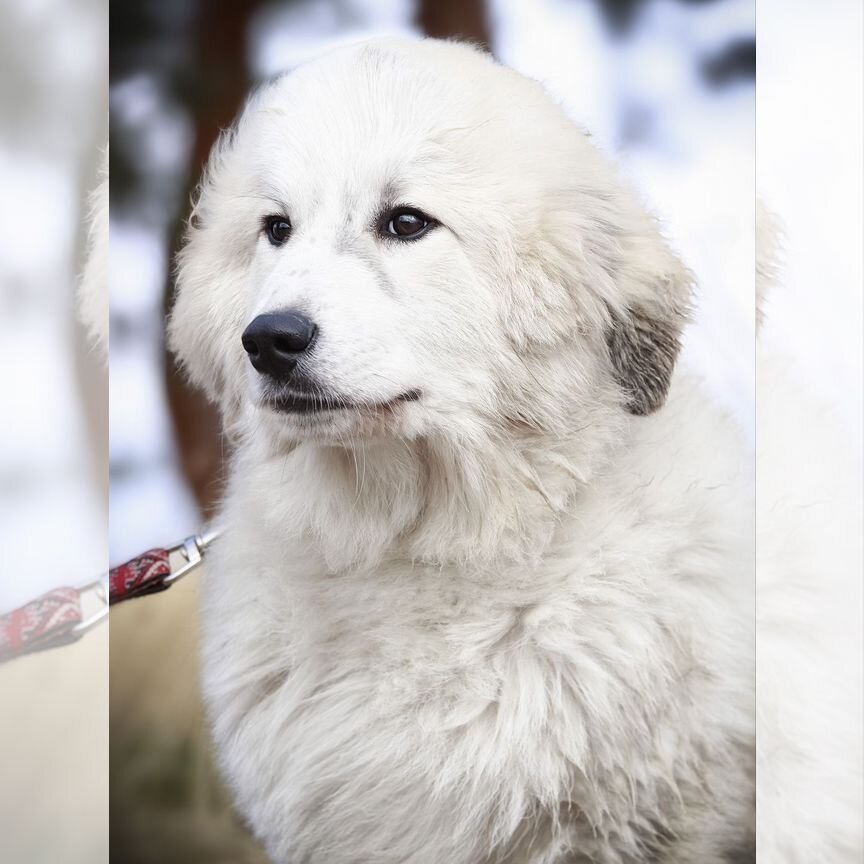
{"x": 278, "y": 228}
{"x": 407, "y": 223}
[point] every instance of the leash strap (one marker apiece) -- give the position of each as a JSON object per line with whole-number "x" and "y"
{"x": 142, "y": 575}
{"x": 64, "y": 615}
{"x": 44, "y": 622}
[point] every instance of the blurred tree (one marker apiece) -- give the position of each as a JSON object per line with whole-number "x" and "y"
{"x": 151, "y": 38}
{"x": 451, "y": 19}
{"x": 735, "y": 61}
{"x": 621, "y": 15}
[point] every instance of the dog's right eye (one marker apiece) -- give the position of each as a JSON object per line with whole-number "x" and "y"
{"x": 278, "y": 229}
{"x": 406, "y": 223}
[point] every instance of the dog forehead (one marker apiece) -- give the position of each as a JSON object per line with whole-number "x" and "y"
{"x": 430, "y": 123}
{"x": 391, "y": 99}
{"x": 388, "y": 73}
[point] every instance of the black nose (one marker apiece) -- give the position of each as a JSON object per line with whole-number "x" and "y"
{"x": 276, "y": 341}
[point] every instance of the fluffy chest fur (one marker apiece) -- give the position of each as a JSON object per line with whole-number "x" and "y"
{"x": 586, "y": 700}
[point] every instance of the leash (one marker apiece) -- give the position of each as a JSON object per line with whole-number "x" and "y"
{"x": 63, "y": 615}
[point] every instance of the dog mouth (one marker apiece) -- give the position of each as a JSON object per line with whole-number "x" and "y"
{"x": 298, "y": 402}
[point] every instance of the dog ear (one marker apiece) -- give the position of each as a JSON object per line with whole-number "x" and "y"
{"x": 631, "y": 289}
{"x": 643, "y": 348}
{"x": 647, "y": 307}
{"x": 210, "y": 277}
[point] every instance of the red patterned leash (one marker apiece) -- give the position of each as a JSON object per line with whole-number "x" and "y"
{"x": 64, "y": 615}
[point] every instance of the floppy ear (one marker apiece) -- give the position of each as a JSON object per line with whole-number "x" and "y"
{"x": 631, "y": 289}
{"x": 643, "y": 348}
{"x": 211, "y": 277}
{"x": 648, "y": 309}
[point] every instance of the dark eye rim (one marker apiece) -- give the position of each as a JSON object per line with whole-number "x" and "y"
{"x": 269, "y": 222}
{"x": 391, "y": 213}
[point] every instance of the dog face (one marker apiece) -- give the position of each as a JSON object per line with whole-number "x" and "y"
{"x": 405, "y": 237}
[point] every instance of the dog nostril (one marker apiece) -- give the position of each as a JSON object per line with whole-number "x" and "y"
{"x": 292, "y": 343}
{"x": 250, "y": 346}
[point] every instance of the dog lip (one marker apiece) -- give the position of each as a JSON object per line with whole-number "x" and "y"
{"x": 307, "y": 403}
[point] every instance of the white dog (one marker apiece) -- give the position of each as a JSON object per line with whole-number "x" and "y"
{"x": 474, "y": 604}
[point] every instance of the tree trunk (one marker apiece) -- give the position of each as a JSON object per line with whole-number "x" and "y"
{"x": 459, "y": 19}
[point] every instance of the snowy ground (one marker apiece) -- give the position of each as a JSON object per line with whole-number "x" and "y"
{"x": 687, "y": 147}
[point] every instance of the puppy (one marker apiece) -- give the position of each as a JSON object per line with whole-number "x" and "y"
{"x": 486, "y": 588}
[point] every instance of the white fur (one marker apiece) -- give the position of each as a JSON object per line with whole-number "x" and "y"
{"x": 506, "y": 621}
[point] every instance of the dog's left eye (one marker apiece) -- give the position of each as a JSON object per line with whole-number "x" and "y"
{"x": 407, "y": 223}
{"x": 277, "y": 228}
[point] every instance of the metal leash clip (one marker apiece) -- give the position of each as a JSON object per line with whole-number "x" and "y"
{"x": 94, "y": 593}
{"x": 157, "y": 569}
{"x": 192, "y": 549}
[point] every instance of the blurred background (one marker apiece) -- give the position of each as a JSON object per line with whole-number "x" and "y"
{"x": 53, "y": 425}
{"x": 665, "y": 86}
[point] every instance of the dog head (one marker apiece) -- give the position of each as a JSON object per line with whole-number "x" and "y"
{"x": 403, "y": 237}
